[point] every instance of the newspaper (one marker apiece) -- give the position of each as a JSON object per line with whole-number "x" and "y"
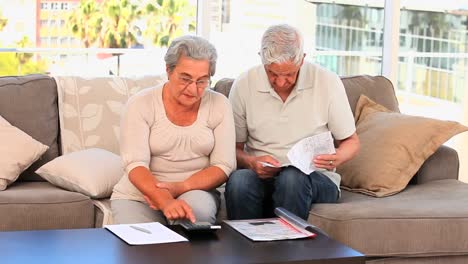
{"x": 269, "y": 229}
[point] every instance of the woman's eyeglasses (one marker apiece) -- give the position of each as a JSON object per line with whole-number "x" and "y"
{"x": 201, "y": 84}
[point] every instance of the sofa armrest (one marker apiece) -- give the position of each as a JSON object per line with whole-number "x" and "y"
{"x": 443, "y": 164}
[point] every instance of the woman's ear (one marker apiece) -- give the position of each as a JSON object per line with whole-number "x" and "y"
{"x": 168, "y": 71}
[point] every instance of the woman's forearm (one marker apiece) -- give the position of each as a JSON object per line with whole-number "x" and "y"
{"x": 206, "y": 179}
{"x": 145, "y": 182}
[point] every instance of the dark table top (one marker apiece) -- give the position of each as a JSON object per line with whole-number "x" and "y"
{"x": 98, "y": 245}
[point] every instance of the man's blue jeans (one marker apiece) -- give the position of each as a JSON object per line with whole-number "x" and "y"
{"x": 249, "y": 197}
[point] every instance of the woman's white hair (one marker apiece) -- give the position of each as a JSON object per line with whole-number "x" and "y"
{"x": 282, "y": 43}
{"x": 194, "y": 47}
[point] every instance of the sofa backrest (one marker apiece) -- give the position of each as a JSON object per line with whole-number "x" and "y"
{"x": 90, "y": 108}
{"x": 377, "y": 88}
{"x": 30, "y": 104}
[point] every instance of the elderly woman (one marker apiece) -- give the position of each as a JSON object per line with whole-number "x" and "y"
{"x": 177, "y": 142}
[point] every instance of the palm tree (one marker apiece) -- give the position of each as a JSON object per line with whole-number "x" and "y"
{"x": 166, "y": 20}
{"x": 3, "y": 22}
{"x": 84, "y": 22}
{"x": 117, "y": 26}
{"x": 23, "y": 58}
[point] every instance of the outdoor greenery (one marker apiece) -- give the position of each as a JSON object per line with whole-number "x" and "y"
{"x": 3, "y": 22}
{"x": 18, "y": 63}
{"x": 126, "y": 24}
{"x": 165, "y": 20}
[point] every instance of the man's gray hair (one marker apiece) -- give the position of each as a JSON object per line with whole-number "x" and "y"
{"x": 194, "y": 47}
{"x": 282, "y": 43}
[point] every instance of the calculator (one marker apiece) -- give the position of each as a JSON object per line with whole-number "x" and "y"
{"x": 198, "y": 226}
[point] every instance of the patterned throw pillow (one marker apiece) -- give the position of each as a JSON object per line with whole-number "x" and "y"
{"x": 89, "y": 109}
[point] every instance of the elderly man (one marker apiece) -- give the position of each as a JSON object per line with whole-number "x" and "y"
{"x": 275, "y": 105}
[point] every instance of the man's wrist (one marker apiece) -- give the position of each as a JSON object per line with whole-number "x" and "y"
{"x": 249, "y": 162}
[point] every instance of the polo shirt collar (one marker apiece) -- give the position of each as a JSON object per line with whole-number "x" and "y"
{"x": 263, "y": 79}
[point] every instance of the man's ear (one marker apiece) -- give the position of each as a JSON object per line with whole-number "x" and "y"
{"x": 302, "y": 60}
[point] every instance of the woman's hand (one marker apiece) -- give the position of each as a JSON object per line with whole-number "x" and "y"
{"x": 178, "y": 209}
{"x": 174, "y": 209}
{"x": 175, "y": 188}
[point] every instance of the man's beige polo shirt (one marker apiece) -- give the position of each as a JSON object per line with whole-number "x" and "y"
{"x": 268, "y": 126}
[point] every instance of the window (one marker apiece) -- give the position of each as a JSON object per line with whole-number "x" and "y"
{"x": 432, "y": 42}
{"x": 433, "y": 65}
{"x": 64, "y": 6}
{"x": 344, "y": 38}
{"x": 44, "y": 23}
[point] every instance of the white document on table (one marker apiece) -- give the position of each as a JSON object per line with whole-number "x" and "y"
{"x": 145, "y": 233}
{"x": 302, "y": 153}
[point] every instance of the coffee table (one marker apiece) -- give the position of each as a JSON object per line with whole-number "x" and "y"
{"x": 225, "y": 246}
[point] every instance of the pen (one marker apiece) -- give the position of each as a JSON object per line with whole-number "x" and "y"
{"x": 144, "y": 230}
{"x": 266, "y": 164}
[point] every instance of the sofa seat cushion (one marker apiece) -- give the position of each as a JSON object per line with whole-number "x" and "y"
{"x": 424, "y": 219}
{"x": 40, "y": 205}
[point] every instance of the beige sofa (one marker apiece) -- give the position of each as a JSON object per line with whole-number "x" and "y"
{"x": 426, "y": 223}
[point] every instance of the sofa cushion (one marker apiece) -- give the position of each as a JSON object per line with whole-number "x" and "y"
{"x": 30, "y": 104}
{"x": 92, "y": 172}
{"x": 393, "y": 148}
{"x": 18, "y": 151}
{"x": 90, "y": 109}
{"x": 378, "y": 88}
{"x": 224, "y": 86}
{"x": 424, "y": 219}
{"x": 40, "y": 205}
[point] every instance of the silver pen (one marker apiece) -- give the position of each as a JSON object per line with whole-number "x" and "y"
{"x": 144, "y": 230}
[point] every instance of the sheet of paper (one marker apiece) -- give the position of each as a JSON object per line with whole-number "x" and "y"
{"x": 157, "y": 234}
{"x": 267, "y": 229}
{"x": 303, "y": 152}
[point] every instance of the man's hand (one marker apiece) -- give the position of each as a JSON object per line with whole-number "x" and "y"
{"x": 327, "y": 161}
{"x": 347, "y": 149}
{"x": 264, "y": 172}
{"x": 175, "y": 188}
